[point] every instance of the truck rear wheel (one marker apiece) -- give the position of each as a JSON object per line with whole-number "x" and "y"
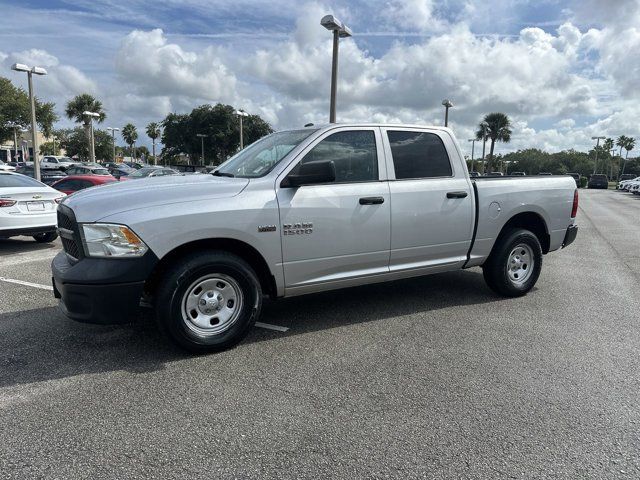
{"x": 208, "y": 301}
{"x": 515, "y": 263}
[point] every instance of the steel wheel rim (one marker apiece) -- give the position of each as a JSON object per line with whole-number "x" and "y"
{"x": 520, "y": 264}
{"x": 212, "y": 304}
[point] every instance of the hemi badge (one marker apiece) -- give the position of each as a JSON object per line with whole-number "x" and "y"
{"x": 266, "y": 228}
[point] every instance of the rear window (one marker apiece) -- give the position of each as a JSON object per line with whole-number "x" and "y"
{"x": 7, "y": 181}
{"x": 100, "y": 171}
{"x": 418, "y": 155}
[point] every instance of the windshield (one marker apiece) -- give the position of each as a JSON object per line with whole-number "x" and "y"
{"x": 143, "y": 172}
{"x": 17, "y": 181}
{"x": 259, "y": 158}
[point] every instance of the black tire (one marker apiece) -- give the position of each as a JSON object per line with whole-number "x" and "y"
{"x": 171, "y": 297}
{"x": 45, "y": 237}
{"x": 497, "y": 272}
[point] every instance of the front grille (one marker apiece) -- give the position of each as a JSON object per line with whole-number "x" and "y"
{"x": 69, "y": 233}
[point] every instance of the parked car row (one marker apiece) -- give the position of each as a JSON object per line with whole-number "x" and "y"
{"x": 631, "y": 185}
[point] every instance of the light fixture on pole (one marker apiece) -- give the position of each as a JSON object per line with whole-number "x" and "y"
{"x": 447, "y": 105}
{"x": 339, "y": 30}
{"x": 473, "y": 145}
{"x": 21, "y": 67}
{"x": 113, "y": 131}
{"x": 202, "y": 137}
{"x": 597, "y": 139}
{"x": 241, "y": 114}
{"x": 92, "y": 149}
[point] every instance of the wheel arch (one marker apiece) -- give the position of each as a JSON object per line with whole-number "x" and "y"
{"x": 531, "y": 221}
{"x": 237, "y": 247}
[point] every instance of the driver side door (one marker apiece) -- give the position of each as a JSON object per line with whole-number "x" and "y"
{"x": 337, "y": 232}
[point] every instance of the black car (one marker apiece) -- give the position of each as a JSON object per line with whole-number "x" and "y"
{"x": 46, "y": 176}
{"x": 598, "y": 180}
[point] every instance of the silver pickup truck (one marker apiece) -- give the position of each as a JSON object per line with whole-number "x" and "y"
{"x": 298, "y": 212}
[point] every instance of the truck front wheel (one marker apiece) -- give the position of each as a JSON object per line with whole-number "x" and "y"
{"x": 515, "y": 263}
{"x": 208, "y": 301}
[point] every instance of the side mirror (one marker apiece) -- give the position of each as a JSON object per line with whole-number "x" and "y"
{"x": 311, "y": 173}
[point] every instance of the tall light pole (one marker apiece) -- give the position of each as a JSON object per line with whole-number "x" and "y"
{"x": 241, "y": 114}
{"x": 21, "y": 67}
{"x": 54, "y": 138}
{"x": 340, "y": 30}
{"x": 15, "y": 126}
{"x": 113, "y": 131}
{"x": 202, "y": 137}
{"x": 597, "y": 139}
{"x": 92, "y": 149}
{"x": 473, "y": 145}
{"x": 447, "y": 105}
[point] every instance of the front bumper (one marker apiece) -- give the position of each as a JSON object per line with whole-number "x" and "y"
{"x": 27, "y": 231}
{"x": 97, "y": 290}
{"x": 570, "y": 236}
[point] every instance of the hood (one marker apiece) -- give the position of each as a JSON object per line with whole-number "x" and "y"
{"x": 96, "y": 203}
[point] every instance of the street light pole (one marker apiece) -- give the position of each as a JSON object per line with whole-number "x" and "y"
{"x": 339, "y": 30}
{"x": 20, "y": 67}
{"x": 241, "y": 114}
{"x": 597, "y": 139}
{"x": 484, "y": 126}
{"x": 54, "y": 144}
{"x": 92, "y": 115}
{"x": 202, "y": 137}
{"x": 473, "y": 145}
{"x": 113, "y": 140}
{"x": 447, "y": 105}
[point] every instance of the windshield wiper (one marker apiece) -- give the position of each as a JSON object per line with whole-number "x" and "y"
{"x": 218, "y": 173}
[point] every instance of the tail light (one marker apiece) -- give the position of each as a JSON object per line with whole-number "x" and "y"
{"x": 5, "y": 202}
{"x": 574, "y": 209}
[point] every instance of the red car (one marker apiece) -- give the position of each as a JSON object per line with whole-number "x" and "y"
{"x": 73, "y": 183}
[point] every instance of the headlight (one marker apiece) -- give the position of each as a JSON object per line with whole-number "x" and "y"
{"x": 110, "y": 240}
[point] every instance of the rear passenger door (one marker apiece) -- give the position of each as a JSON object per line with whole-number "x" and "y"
{"x": 432, "y": 207}
{"x": 340, "y": 231}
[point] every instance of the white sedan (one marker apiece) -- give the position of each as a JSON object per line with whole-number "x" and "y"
{"x": 27, "y": 207}
{"x": 6, "y": 168}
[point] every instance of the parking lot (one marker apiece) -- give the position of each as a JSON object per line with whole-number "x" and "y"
{"x": 433, "y": 377}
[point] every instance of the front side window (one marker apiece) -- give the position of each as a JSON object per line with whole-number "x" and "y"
{"x": 353, "y": 153}
{"x": 418, "y": 155}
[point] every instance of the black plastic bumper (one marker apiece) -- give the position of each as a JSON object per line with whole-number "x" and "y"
{"x": 96, "y": 290}
{"x": 29, "y": 231}
{"x": 570, "y": 236}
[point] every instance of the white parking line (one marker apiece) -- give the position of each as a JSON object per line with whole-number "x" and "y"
{"x": 268, "y": 326}
{"x": 28, "y": 284}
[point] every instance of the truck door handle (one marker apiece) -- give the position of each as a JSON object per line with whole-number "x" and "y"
{"x": 371, "y": 200}
{"x": 456, "y": 194}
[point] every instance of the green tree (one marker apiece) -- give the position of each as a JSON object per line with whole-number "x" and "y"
{"x": 84, "y": 103}
{"x": 130, "y": 135}
{"x": 75, "y": 143}
{"x": 629, "y": 145}
{"x": 497, "y": 127}
{"x": 153, "y": 132}
{"x": 221, "y": 127}
{"x": 15, "y": 108}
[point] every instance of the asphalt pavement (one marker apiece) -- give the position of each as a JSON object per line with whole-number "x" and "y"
{"x": 425, "y": 378}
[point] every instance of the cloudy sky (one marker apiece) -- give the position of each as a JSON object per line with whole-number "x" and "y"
{"x": 564, "y": 71}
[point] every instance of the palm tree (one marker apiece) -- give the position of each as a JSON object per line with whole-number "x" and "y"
{"x": 497, "y": 127}
{"x": 153, "y": 132}
{"x": 83, "y": 103}
{"x": 130, "y": 135}
{"x": 628, "y": 146}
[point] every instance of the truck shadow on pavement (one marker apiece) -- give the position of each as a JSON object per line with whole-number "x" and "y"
{"x": 41, "y": 344}
{"x": 9, "y": 246}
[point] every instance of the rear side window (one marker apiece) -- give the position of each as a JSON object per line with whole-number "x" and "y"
{"x": 352, "y": 152}
{"x": 418, "y": 155}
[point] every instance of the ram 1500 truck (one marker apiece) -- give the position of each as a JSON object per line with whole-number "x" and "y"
{"x": 298, "y": 212}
